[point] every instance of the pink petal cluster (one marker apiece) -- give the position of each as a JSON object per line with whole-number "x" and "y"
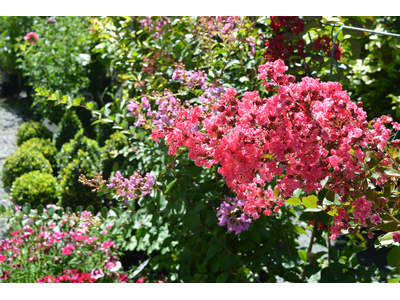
{"x": 305, "y": 132}
{"x": 31, "y": 37}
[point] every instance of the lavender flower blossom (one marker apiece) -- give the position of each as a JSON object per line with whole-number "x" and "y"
{"x": 227, "y": 215}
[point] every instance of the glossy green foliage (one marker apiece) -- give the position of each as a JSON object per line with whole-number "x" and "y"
{"x": 62, "y": 51}
{"x": 30, "y": 130}
{"x": 44, "y": 146}
{"x": 111, "y": 154}
{"x": 36, "y": 188}
{"x": 24, "y": 161}
{"x": 67, "y": 128}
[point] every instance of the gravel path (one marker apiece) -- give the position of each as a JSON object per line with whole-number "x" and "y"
{"x": 10, "y": 122}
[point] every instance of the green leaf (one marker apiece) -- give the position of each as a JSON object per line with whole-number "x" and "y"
{"x": 40, "y": 209}
{"x": 393, "y": 280}
{"x": 91, "y": 209}
{"x": 303, "y": 255}
{"x": 104, "y": 212}
{"x": 393, "y": 257}
{"x": 79, "y": 209}
{"x": 192, "y": 219}
{"x": 26, "y": 209}
{"x": 293, "y": 201}
{"x": 160, "y": 200}
{"x": 389, "y": 171}
{"x": 231, "y": 63}
{"x": 310, "y": 201}
{"x": 222, "y": 277}
{"x": 225, "y": 260}
{"x": 2, "y": 209}
{"x": 212, "y": 250}
{"x": 386, "y": 239}
{"x": 170, "y": 185}
{"x": 51, "y": 211}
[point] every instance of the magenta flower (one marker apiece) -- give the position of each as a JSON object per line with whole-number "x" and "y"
{"x": 31, "y": 37}
{"x": 67, "y": 250}
{"x": 106, "y": 245}
{"x": 96, "y": 273}
{"x": 114, "y": 266}
{"x": 396, "y": 237}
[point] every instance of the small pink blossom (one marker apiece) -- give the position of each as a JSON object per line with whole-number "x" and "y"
{"x": 31, "y": 37}
{"x": 96, "y": 273}
{"x": 114, "y": 267}
{"x": 396, "y": 237}
{"x": 107, "y": 245}
{"x": 376, "y": 219}
{"x": 67, "y": 250}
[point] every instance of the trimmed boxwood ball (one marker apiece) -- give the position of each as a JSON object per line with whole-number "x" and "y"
{"x": 30, "y": 130}
{"x": 67, "y": 128}
{"x": 116, "y": 142}
{"x": 44, "y": 146}
{"x": 23, "y": 161}
{"x": 69, "y": 151}
{"x": 74, "y": 193}
{"x": 36, "y": 188}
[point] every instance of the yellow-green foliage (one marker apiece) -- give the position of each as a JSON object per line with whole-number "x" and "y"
{"x": 73, "y": 193}
{"x": 30, "y": 130}
{"x": 23, "y": 161}
{"x": 115, "y": 143}
{"x": 46, "y": 147}
{"x": 36, "y": 188}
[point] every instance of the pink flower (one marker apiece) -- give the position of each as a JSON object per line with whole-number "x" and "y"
{"x": 68, "y": 250}
{"x": 2, "y": 258}
{"x": 114, "y": 267}
{"x": 376, "y": 219}
{"x": 396, "y": 237}
{"x": 141, "y": 280}
{"x": 96, "y": 273}
{"x": 31, "y": 37}
{"x": 106, "y": 245}
{"x": 81, "y": 238}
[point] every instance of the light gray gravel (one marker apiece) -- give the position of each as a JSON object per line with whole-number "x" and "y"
{"x": 10, "y": 122}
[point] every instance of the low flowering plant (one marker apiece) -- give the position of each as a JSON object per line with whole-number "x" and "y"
{"x": 45, "y": 246}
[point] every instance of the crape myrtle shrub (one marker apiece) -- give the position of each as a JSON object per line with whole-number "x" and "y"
{"x": 183, "y": 217}
{"x": 35, "y": 188}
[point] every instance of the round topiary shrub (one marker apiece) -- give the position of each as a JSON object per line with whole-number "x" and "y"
{"x": 72, "y": 192}
{"x": 23, "y": 161}
{"x": 67, "y": 128}
{"x": 46, "y": 147}
{"x": 115, "y": 143}
{"x": 69, "y": 150}
{"x": 36, "y": 188}
{"x": 30, "y": 130}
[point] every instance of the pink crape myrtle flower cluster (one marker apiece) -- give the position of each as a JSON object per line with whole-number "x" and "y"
{"x": 127, "y": 188}
{"x": 156, "y": 26}
{"x": 305, "y": 132}
{"x": 31, "y": 37}
{"x": 60, "y": 244}
{"x": 224, "y": 27}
